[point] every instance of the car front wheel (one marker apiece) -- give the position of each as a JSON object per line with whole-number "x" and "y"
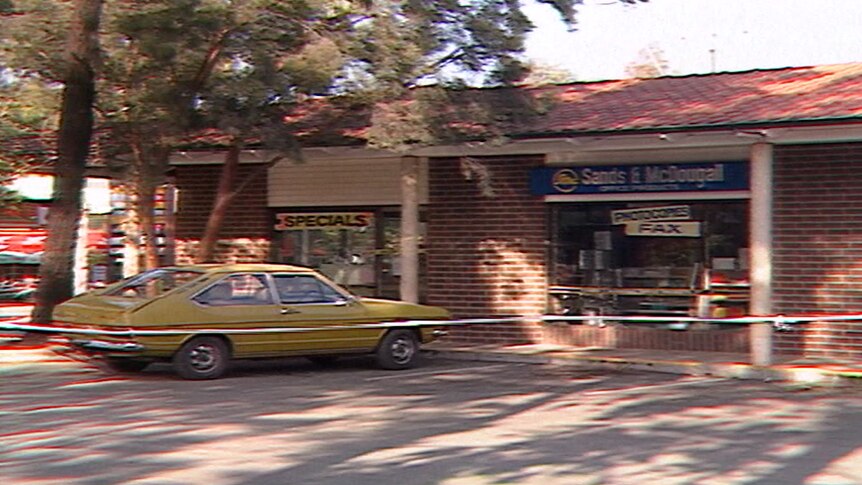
{"x": 202, "y": 358}
{"x": 398, "y": 350}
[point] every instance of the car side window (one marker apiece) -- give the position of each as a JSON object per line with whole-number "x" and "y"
{"x": 293, "y": 289}
{"x": 238, "y": 289}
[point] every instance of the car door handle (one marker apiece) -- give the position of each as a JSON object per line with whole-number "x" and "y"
{"x": 288, "y": 311}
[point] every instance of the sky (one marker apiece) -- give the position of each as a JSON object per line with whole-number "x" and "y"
{"x": 744, "y": 34}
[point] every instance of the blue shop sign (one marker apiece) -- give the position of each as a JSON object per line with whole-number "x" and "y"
{"x": 658, "y": 177}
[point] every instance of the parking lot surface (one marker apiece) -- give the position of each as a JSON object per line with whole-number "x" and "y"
{"x": 446, "y": 422}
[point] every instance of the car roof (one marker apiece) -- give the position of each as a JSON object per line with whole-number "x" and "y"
{"x": 244, "y": 267}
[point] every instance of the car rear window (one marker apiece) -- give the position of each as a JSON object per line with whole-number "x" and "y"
{"x": 153, "y": 283}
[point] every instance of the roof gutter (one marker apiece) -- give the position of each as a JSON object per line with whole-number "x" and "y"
{"x": 689, "y": 128}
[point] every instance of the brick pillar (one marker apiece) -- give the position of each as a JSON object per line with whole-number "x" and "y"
{"x": 487, "y": 245}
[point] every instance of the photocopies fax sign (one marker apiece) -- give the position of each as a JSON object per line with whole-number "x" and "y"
{"x": 664, "y": 221}
{"x": 642, "y": 178}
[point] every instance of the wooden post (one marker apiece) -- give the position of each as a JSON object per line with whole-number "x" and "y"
{"x": 760, "y": 251}
{"x": 409, "y": 244}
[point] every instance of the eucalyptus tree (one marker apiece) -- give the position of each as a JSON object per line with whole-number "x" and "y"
{"x": 170, "y": 68}
{"x": 67, "y": 55}
{"x": 370, "y": 55}
{"x": 178, "y": 67}
{"x": 266, "y": 60}
{"x": 28, "y": 110}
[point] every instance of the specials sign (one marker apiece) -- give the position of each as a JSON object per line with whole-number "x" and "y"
{"x": 322, "y": 220}
{"x": 676, "y": 177}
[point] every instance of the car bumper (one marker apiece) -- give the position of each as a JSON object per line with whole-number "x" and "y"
{"x": 105, "y": 346}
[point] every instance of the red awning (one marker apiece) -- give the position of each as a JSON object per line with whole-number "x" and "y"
{"x": 27, "y": 241}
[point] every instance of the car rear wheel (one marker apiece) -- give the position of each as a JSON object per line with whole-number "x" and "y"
{"x": 398, "y": 350}
{"x": 126, "y": 365}
{"x": 202, "y": 358}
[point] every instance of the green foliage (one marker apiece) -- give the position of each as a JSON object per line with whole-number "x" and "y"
{"x": 541, "y": 74}
{"x": 28, "y": 106}
{"x": 651, "y": 62}
{"x": 171, "y": 67}
{"x": 28, "y": 110}
{"x": 33, "y": 36}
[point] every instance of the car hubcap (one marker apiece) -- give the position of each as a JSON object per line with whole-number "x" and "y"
{"x": 203, "y": 357}
{"x": 402, "y": 350}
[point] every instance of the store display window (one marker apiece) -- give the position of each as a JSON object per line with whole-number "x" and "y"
{"x": 356, "y": 249}
{"x": 341, "y": 245}
{"x": 641, "y": 255}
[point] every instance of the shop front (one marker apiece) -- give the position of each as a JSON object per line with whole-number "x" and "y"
{"x": 342, "y": 212}
{"x": 648, "y": 239}
{"x": 356, "y": 248}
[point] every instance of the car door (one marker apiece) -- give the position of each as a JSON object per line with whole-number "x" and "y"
{"x": 238, "y": 303}
{"x": 307, "y": 302}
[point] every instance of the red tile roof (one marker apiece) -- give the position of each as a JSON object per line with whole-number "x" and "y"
{"x": 818, "y": 94}
{"x": 798, "y": 94}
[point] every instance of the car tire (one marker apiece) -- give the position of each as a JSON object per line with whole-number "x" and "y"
{"x": 202, "y": 358}
{"x": 399, "y": 349}
{"x": 323, "y": 360}
{"x": 126, "y": 365}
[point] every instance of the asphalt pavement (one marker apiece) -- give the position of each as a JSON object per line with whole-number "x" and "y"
{"x": 448, "y": 422}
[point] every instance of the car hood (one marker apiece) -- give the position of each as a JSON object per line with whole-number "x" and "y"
{"x": 401, "y": 309}
{"x": 96, "y": 309}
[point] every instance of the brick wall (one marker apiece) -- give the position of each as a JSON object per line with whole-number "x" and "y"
{"x": 245, "y": 234}
{"x": 486, "y": 252}
{"x": 818, "y": 244}
{"x": 636, "y": 336}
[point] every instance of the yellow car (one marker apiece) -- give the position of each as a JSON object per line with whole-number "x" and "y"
{"x": 200, "y": 317}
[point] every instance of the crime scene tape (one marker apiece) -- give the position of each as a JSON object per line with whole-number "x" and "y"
{"x": 779, "y": 322}
{"x": 25, "y": 326}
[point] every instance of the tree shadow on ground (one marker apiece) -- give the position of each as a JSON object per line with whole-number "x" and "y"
{"x": 290, "y": 421}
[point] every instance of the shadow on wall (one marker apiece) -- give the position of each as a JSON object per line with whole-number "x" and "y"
{"x": 508, "y": 282}
{"x": 830, "y": 287}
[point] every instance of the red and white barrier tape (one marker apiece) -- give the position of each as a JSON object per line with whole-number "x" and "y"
{"x": 780, "y": 322}
{"x": 24, "y": 325}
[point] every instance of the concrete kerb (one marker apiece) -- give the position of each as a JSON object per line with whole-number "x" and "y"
{"x": 797, "y": 374}
{"x": 16, "y": 356}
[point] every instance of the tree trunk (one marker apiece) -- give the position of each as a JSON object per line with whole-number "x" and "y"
{"x": 150, "y": 164}
{"x": 224, "y": 196}
{"x": 73, "y": 147}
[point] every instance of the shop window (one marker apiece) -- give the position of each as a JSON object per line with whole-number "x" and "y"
{"x": 358, "y": 250}
{"x": 339, "y": 245}
{"x": 686, "y": 249}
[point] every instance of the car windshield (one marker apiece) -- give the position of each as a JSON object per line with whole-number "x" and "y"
{"x": 153, "y": 283}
